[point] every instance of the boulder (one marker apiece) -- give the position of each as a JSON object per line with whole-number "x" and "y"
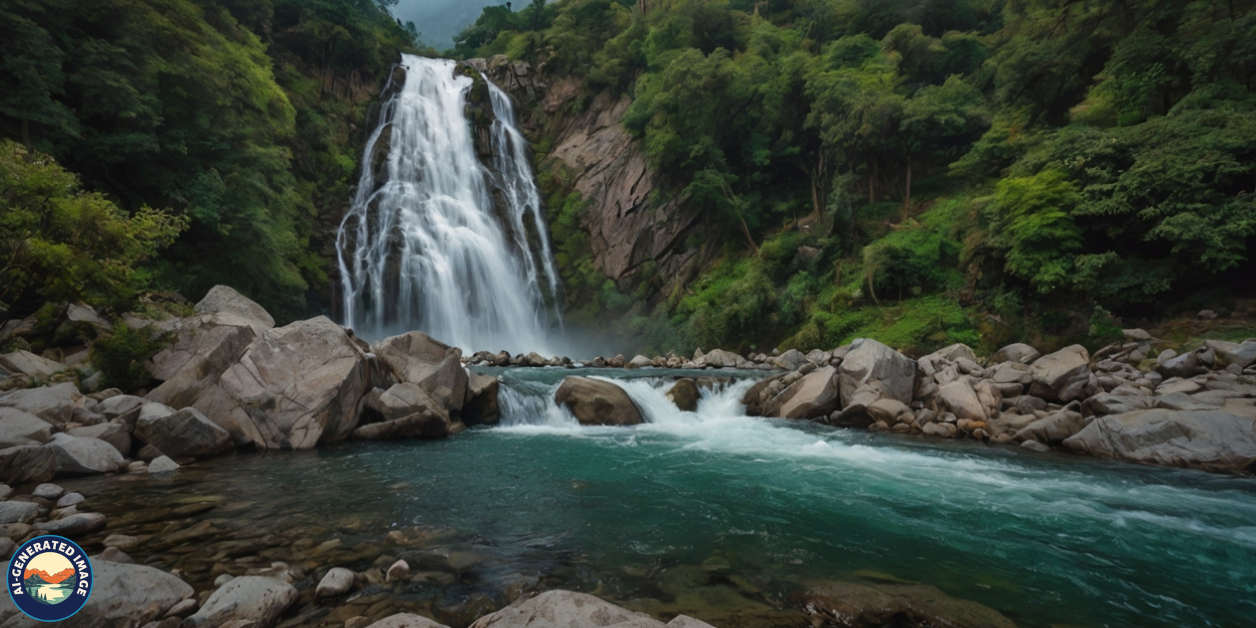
{"x": 406, "y": 620}
{"x": 48, "y": 491}
{"x": 791, "y": 360}
{"x": 1018, "y": 352}
{"x": 813, "y": 396}
{"x": 225, "y": 301}
{"x": 162, "y": 464}
{"x": 113, "y": 433}
{"x": 1188, "y": 364}
{"x": 1063, "y": 375}
{"x": 18, "y": 512}
{"x": 1104, "y": 404}
{"x": 856, "y": 411}
{"x": 1243, "y": 355}
{"x": 125, "y": 408}
{"x": 566, "y": 609}
{"x": 122, "y": 595}
{"x": 255, "y": 598}
{"x": 84, "y": 456}
{"x": 480, "y": 405}
{"x": 756, "y": 397}
{"x": 21, "y": 428}
{"x": 869, "y": 360}
{"x": 952, "y": 353}
{"x": 1212, "y": 440}
{"x": 54, "y": 404}
{"x": 1052, "y": 429}
{"x": 819, "y": 357}
{"x": 29, "y": 364}
{"x": 183, "y": 434}
{"x": 296, "y": 386}
{"x": 434, "y": 366}
{"x": 851, "y": 605}
{"x": 959, "y": 398}
{"x": 424, "y": 423}
{"x": 337, "y": 581}
{"x": 616, "y": 362}
{"x": 597, "y": 402}
{"x": 639, "y": 362}
{"x": 405, "y": 399}
{"x": 684, "y": 393}
{"x": 720, "y": 358}
{"x": 24, "y": 464}
{"x": 890, "y": 412}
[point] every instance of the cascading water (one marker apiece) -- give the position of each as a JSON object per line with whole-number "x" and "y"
{"x": 425, "y": 247}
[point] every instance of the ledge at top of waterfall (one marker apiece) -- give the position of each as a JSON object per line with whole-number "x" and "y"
{"x": 438, "y": 240}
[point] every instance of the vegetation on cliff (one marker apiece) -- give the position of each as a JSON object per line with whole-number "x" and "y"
{"x": 928, "y": 171}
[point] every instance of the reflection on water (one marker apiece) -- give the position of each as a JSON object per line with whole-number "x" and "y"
{"x": 712, "y": 514}
{"x": 48, "y": 593}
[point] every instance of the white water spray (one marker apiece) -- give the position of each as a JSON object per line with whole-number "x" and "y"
{"x": 424, "y": 246}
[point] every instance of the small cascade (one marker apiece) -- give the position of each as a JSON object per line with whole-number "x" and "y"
{"x": 531, "y": 403}
{"x": 425, "y": 246}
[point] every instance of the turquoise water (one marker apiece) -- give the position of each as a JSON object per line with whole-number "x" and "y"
{"x": 772, "y": 505}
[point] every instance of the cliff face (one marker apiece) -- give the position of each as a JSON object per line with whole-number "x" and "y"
{"x": 631, "y": 218}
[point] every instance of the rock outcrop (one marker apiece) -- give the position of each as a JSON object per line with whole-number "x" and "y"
{"x": 871, "y": 360}
{"x": 814, "y": 395}
{"x": 1213, "y": 440}
{"x": 597, "y": 402}
{"x": 185, "y": 433}
{"x": 432, "y": 365}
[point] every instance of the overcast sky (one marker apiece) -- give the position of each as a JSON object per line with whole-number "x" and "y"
{"x": 439, "y": 20}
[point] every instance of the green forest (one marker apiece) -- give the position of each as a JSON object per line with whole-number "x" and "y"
{"x": 972, "y": 171}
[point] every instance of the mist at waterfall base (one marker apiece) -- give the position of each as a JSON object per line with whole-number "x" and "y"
{"x": 438, "y": 241}
{"x": 720, "y": 515}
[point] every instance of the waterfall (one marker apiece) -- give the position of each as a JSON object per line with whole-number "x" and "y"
{"x": 425, "y": 246}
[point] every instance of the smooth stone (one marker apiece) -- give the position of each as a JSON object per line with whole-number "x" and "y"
{"x": 182, "y": 609}
{"x": 1035, "y": 446}
{"x": 404, "y": 620}
{"x": 114, "y": 555}
{"x": 337, "y": 581}
{"x": 1063, "y": 375}
{"x": 29, "y": 364}
{"x": 74, "y": 525}
{"x": 122, "y": 593}
{"x": 70, "y": 499}
{"x": 597, "y": 402}
{"x": 84, "y": 456}
{"x": 54, "y": 404}
{"x": 256, "y": 598}
{"x": 18, "y": 512}
{"x": 22, "y": 428}
{"x": 1017, "y": 352}
{"x": 685, "y": 394}
{"x": 115, "y": 434}
{"x": 399, "y": 570}
{"x": 48, "y": 491}
{"x": 162, "y": 464}
{"x": 565, "y": 609}
{"x": 871, "y": 360}
{"x": 639, "y": 361}
{"x": 1052, "y": 429}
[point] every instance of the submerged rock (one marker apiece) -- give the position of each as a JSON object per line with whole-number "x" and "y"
{"x": 684, "y": 393}
{"x": 1212, "y": 440}
{"x": 597, "y": 402}
{"x": 851, "y": 605}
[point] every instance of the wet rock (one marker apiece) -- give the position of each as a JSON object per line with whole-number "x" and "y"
{"x": 337, "y": 581}
{"x": 22, "y": 428}
{"x": 565, "y": 608}
{"x": 1035, "y": 446}
{"x": 480, "y": 406}
{"x": 869, "y": 360}
{"x": 18, "y": 512}
{"x": 404, "y": 620}
{"x": 399, "y": 570}
{"x": 1211, "y": 440}
{"x": 813, "y": 396}
{"x": 616, "y": 362}
{"x": 84, "y": 456}
{"x": 162, "y": 464}
{"x": 24, "y": 464}
{"x": 74, "y": 525}
{"x": 640, "y": 362}
{"x": 113, "y": 433}
{"x": 851, "y": 605}
{"x": 29, "y": 364}
{"x": 434, "y": 366}
{"x": 684, "y": 393}
{"x": 1052, "y": 429}
{"x": 597, "y": 402}
{"x": 254, "y": 598}
{"x": 298, "y": 385}
{"x": 1063, "y": 375}
{"x": 54, "y": 404}
{"x": 185, "y": 433}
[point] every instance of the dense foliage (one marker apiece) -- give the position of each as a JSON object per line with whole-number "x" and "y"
{"x": 237, "y": 115}
{"x": 936, "y": 167}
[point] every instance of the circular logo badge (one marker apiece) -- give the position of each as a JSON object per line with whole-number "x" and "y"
{"x": 50, "y": 578}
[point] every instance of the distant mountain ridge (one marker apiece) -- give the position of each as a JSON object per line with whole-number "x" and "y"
{"x": 41, "y": 577}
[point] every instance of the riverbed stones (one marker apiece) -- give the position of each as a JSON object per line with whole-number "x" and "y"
{"x": 685, "y": 394}
{"x": 84, "y": 456}
{"x": 337, "y": 581}
{"x": 255, "y": 598}
{"x": 122, "y": 594}
{"x": 74, "y": 525}
{"x": 183, "y": 434}
{"x": 434, "y": 366}
{"x": 1062, "y": 376}
{"x": 565, "y": 609}
{"x": 852, "y": 605}
{"x": 813, "y": 396}
{"x": 1212, "y": 440}
{"x": 869, "y": 360}
{"x": 22, "y": 428}
{"x": 23, "y": 464}
{"x": 54, "y": 404}
{"x": 597, "y": 402}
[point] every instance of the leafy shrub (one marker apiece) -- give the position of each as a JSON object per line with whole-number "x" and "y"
{"x": 120, "y": 355}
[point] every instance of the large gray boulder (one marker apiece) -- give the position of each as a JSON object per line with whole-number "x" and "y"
{"x": 597, "y": 402}
{"x": 254, "y": 598}
{"x": 225, "y": 301}
{"x": 23, "y": 464}
{"x": 1062, "y": 376}
{"x": 1241, "y": 354}
{"x": 423, "y": 423}
{"x": 434, "y": 366}
{"x": 125, "y": 408}
{"x": 296, "y": 386}
{"x": 183, "y": 434}
{"x": 54, "y": 404}
{"x": 22, "y": 428}
{"x": 869, "y": 360}
{"x": 1213, "y": 440}
{"x": 565, "y": 609}
{"x": 123, "y": 595}
{"x": 813, "y": 396}
{"x": 720, "y": 358}
{"x": 959, "y": 398}
{"x": 1052, "y": 429}
{"x": 84, "y": 456}
{"x": 480, "y": 405}
{"x": 113, "y": 433}
{"x": 1019, "y": 352}
{"x": 28, "y": 363}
